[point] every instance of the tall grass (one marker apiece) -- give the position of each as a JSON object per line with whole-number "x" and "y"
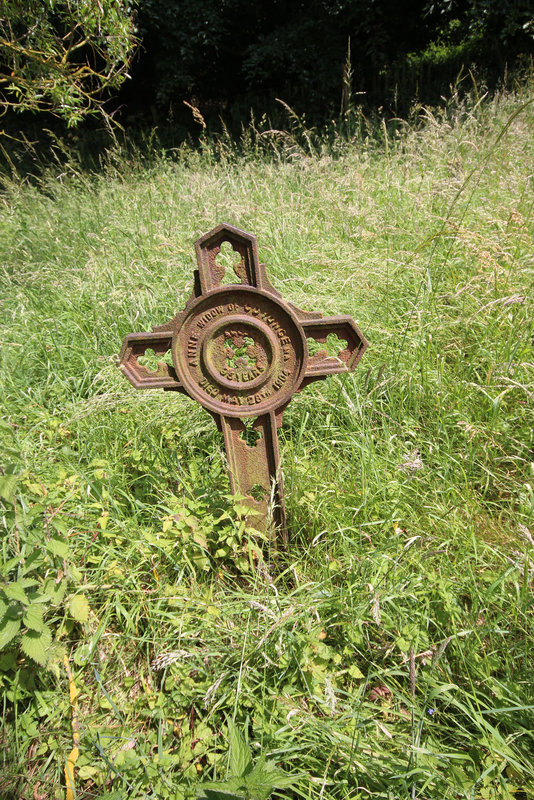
{"x": 389, "y": 654}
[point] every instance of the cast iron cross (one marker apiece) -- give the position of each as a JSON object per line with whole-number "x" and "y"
{"x": 241, "y": 351}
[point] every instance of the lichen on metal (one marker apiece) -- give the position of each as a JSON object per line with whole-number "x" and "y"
{"x": 241, "y": 351}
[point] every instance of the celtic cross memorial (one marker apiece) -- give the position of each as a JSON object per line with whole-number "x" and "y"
{"x": 241, "y": 351}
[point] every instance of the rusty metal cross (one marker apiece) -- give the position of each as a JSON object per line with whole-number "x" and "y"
{"x": 241, "y": 351}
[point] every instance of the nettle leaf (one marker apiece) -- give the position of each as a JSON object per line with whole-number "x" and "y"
{"x": 8, "y": 630}
{"x": 3, "y": 607}
{"x": 240, "y": 754}
{"x": 28, "y": 583}
{"x": 267, "y": 776}
{"x": 56, "y": 654}
{"x": 33, "y": 561}
{"x": 36, "y": 644}
{"x": 8, "y": 484}
{"x": 75, "y": 574}
{"x": 260, "y": 783}
{"x": 231, "y": 789}
{"x": 61, "y": 526}
{"x": 7, "y": 566}
{"x": 33, "y": 618}
{"x": 8, "y": 661}
{"x": 15, "y": 592}
{"x": 58, "y": 547}
{"x": 79, "y": 608}
{"x": 52, "y": 591}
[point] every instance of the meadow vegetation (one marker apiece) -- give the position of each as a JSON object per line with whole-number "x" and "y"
{"x": 151, "y": 645}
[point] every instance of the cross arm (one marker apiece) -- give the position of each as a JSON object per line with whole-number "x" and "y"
{"x": 248, "y": 270}
{"x": 134, "y": 347}
{"x": 321, "y": 364}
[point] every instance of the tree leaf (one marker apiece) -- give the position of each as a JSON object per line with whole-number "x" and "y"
{"x": 106, "y": 28}
{"x": 240, "y": 754}
{"x": 33, "y": 618}
{"x": 36, "y": 644}
{"x": 79, "y": 608}
{"x": 8, "y": 630}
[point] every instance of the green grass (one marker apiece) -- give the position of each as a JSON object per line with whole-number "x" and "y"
{"x": 389, "y": 653}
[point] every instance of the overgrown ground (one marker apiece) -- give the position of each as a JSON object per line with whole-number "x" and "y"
{"x": 389, "y": 653}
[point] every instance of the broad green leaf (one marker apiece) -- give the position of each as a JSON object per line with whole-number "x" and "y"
{"x": 61, "y": 526}
{"x": 3, "y": 607}
{"x": 8, "y": 630}
{"x": 59, "y": 592}
{"x": 44, "y": 702}
{"x": 58, "y": 547}
{"x": 36, "y": 645}
{"x": 355, "y": 673}
{"x": 245, "y": 511}
{"x": 27, "y": 583}
{"x": 7, "y": 566}
{"x": 87, "y": 771}
{"x": 56, "y": 653}
{"x": 79, "y": 608}
{"x": 229, "y": 785}
{"x": 231, "y": 789}
{"x": 103, "y": 520}
{"x": 200, "y": 538}
{"x": 15, "y": 592}
{"x": 266, "y": 776}
{"x": 33, "y": 618}
{"x": 8, "y": 661}
{"x": 240, "y": 755}
{"x": 284, "y": 781}
{"x": 53, "y": 592}
{"x": 35, "y": 488}
{"x": 33, "y": 561}
{"x": 8, "y": 484}
{"x": 258, "y": 787}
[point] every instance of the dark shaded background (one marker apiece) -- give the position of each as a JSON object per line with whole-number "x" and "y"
{"x": 233, "y": 60}
{"x": 229, "y": 56}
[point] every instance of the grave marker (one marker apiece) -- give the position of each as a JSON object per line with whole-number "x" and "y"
{"x": 241, "y": 351}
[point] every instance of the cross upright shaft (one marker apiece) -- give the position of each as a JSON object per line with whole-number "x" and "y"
{"x": 241, "y": 351}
